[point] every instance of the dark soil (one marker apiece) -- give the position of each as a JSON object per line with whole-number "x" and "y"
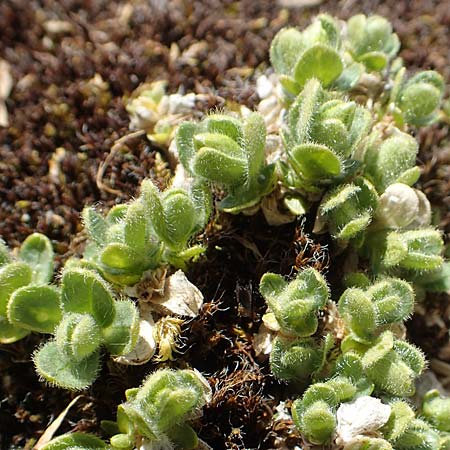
{"x": 56, "y": 105}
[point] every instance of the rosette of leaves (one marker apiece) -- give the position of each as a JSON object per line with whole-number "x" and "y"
{"x": 27, "y": 302}
{"x": 321, "y": 135}
{"x": 365, "y": 312}
{"x": 436, "y": 410}
{"x": 391, "y": 160}
{"x": 296, "y": 304}
{"x": 348, "y": 209}
{"x": 417, "y": 100}
{"x": 313, "y": 53}
{"x": 230, "y": 154}
{"x": 159, "y": 411}
{"x": 297, "y": 359}
{"x": 391, "y": 364}
{"x": 92, "y": 318}
{"x": 371, "y": 41}
{"x": 408, "y": 251}
{"x": 315, "y": 413}
{"x": 146, "y": 233}
{"x": 75, "y": 441}
{"x": 176, "y": 216}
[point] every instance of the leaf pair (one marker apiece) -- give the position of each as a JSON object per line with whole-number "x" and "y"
{"x": 27, "y": 302}
{"x": 371, "y": 41}
{"x": 313, "y": 53}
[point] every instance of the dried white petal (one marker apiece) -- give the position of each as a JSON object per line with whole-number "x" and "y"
{"x": 262, "y": 341}
{"x": 180, "y": 297}
{"x": 272, "y": 213}
{"x": 361, "y": 417}
{"x": 146, "y": 345}
{"x": 264, "y": 87}
{"x": 6, "y": 83}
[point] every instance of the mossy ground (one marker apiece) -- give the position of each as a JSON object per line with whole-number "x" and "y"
{"x": 210, "y": 47}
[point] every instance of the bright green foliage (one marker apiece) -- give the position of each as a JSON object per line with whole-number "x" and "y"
{"x": 389, "y": 301}
{"x": 296, "y": 304}
{"x": 75, "y": 441}
{"x": 436, "y": 410}
{"x": 315, "y": 413}
{"x": 322, "y": 133}
{"x": 313, "y": 53}
{"x": 91, "y": 318}
{"x": 160, "y": 409}
{"x": 418, "y": 98}
{"x": 148, "y": 232}
{"x": 349, "y": 208}
{"x": 295, "y": 360}
{"x": 391, "y": 364}
{"x": 27, "y": 302}
{"x": 391, "y": 160}
{"x": 412, "y": 250}
{"x": 231, "y": 154}
{"x": 419, "y": 435}
{"x": 371, "y": 41}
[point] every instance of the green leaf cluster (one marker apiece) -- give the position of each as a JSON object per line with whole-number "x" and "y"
{"x": 160, "y": 409}
{"x": 91, "y": 318}
{"x": 229, "y": 153}
{"x": 153, "y": 230}
{"x": 27, "y": 301}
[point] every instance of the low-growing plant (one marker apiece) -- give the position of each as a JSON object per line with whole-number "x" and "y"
{"x": 340, "y": 146}
{"x": 158, "y": 412}
{"x": 91, "y": 318}
{"x": 153, "y": 230}
{"x": 229, "y": 153}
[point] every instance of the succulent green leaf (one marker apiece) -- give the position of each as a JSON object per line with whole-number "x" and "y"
{"x": 315, "y": 161}
{"x": 137, "y": 228}
{"x": 35, "y": 308}
{"x": 12, "y": 277}
{"x": 220, "y": 167}
{"x": 121, "y": 336}
{"x": 183, "y": 436}
{"x": 121, "y": 264}
{"x": 318, "y": 423}
{"x": 37, "y": 252}
{"x": 320, "y": 62}
{"x": 286, "y": 46}
{"x": 399, "y": 420}
{"x": 388, "y": 162}
{"x": 59, "y": 370}
{"x": 75, "y": 441}
{"x": 95, "y": 225}
{"x": 436, "y": 410}
{"x": 358, "y": 311}
{"x": 83, "y": 291}
{"x": 78, "y": 336}
{"x": 184, "y": 139}
{"x": 10, "y": 333}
